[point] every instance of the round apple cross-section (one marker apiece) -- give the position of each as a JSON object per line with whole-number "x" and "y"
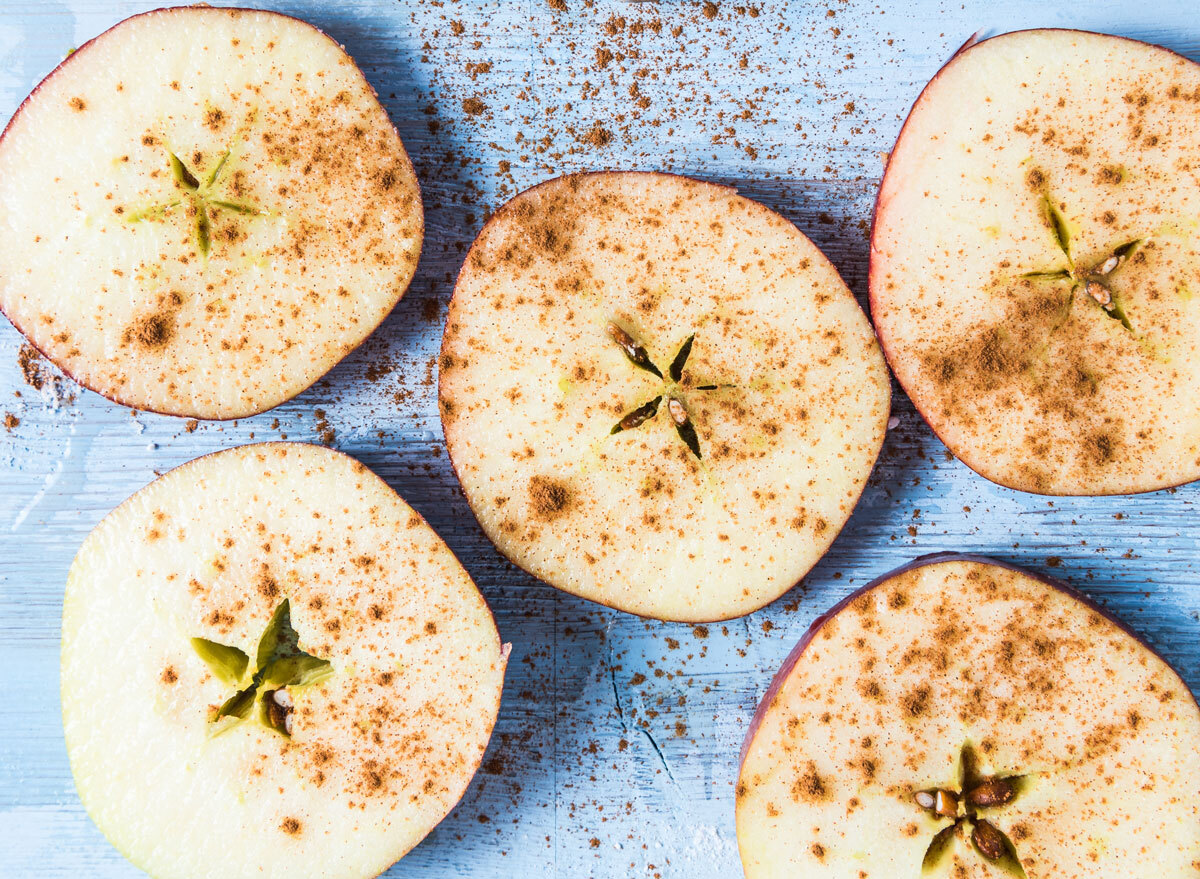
{"x": 1035, "y": 267}
{"x": 963, "y": 718}
{"x": 203, "y": 211}
{"x": 658, "y": 394}
{"x": 272, "y": 666}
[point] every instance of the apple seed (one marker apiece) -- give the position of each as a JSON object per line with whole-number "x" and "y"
{"x": 946, "y": 803}
{"x": 638, "y": 416}
{"x": 1100, "y": 293}
{"x": 940, "y": 802}
{"x": 993, "y": 792}
{"x": 678, "y": 413}
{"x": 283, "y": 699}
{"x": 1108, "y": 265}
{"x": 278, "y": 705}
{"x": 683, "y": 426}
{"x": 635, "y": 352}
{"x": 988, "y": 840}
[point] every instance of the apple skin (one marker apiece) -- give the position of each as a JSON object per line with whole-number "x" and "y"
{"x": 871, "y": 268}
{"x": 449, "y": 453}
{"x": 922, "y": 561}
{"x": 115, "y": 398}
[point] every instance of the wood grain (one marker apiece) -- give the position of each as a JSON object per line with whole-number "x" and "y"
{"x": 590, "y": 774}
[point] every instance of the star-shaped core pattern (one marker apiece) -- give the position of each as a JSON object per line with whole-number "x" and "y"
{"x": 198, "y": 200}
{"x": 671, "y": 391}
{"x": 975, "y": 795}
{"x": 279, "y": 664}
{"x": 1093, "y": 279}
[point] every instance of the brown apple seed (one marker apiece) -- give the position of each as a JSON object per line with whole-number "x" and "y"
{"x": 946, "y": 803}
{"x": 993, "y": 792}
{"x": 988, "y": 840}
{"x": 278, "y": 704}
{"x": 635, "y": 352}
{"x": 638, "y": 416}
{"x": 1108, "y": 265}
{"x": 684, "y": 427}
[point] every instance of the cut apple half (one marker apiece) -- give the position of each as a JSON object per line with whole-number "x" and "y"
{"x": 658, "y": 394}
{"x": 1035, "y": 262}
{"x": 272, "y": 666}
{"x": 963, "y": 718}
{"x": 204, "y": 210}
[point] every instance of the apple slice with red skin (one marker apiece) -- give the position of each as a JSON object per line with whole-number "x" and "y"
{"x": 204, "y": 210}
{"x": 1035, "y": 272}
{"x": 272, "y": 666}
{"x": 996, "y": 711}
{"x": 658, "y": 394}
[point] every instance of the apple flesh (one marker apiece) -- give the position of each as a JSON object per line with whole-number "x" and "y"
{"x": 658, "y": 394}
{"x": 1035, "y": 269}
{"x": 959, "y": 717}
{"x": 272, "y": 666}
{"x": 204, "y": 210}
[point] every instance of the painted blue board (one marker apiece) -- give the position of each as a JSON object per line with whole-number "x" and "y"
{"x": 589, "y": 774}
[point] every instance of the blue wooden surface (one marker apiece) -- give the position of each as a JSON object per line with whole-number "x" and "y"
{"x": 590, "y": 773}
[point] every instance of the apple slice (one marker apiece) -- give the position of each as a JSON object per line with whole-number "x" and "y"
{"x": 1035, "y": 266}
{"x": 203, "y": 211}
{"x": 658, "y": 394}
{"x": 272, "y": 666}
{"x": 962, "y": 718}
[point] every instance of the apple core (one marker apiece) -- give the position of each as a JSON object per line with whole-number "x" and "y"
{"x": 200, "y": 203}
{"x": 671, "y": 389}
{"x": 966, "y": 805}
{"x": 279, "y": 664}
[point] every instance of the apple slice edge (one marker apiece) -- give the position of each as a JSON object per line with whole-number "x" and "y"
{"x": 935, "y": 558}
